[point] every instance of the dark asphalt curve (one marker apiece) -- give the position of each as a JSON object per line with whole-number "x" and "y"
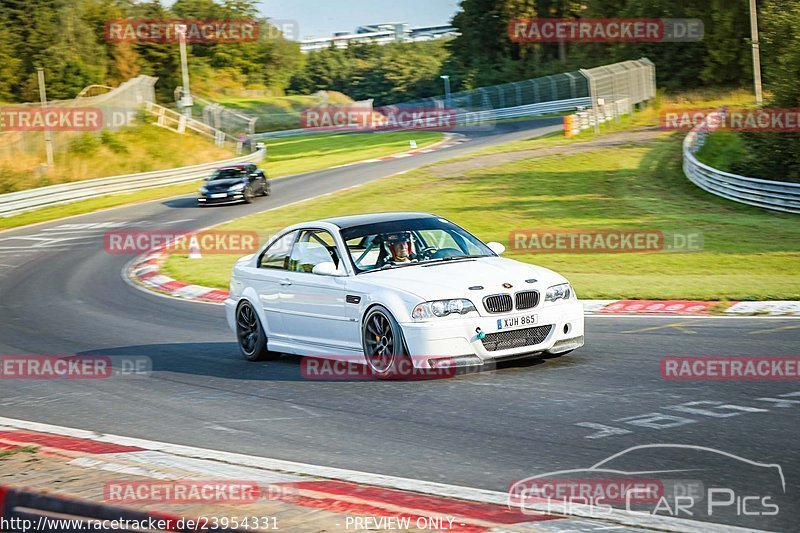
{"x": 62, "y": 294}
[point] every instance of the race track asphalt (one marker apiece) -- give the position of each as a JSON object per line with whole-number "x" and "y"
{"x": 62, "y": 294}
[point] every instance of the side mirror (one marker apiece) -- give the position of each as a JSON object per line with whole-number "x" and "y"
{"x": 496, "y": 247}
{"x": 326, "y": 269}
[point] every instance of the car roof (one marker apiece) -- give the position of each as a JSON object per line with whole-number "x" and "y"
{"x": 238, "y": 166}
{"x": 371, "y": 218}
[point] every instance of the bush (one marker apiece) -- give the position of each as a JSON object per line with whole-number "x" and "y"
{"x": 86, "y": 144}
{"x": 771, "y": 156}
{"x": 110, "y": 140}
{"x": 12, "y": 180}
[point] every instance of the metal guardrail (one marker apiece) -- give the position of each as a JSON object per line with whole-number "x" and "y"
{"x": 301, "y": 131}
{"x": 767, "y": 194}
{"x": 463, "y": 118}
{"x": 529, "y": 110}
{"x": 32, "y": 199}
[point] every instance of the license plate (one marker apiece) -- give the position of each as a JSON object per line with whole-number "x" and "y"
{"x": 513, "y": 322}
{"x": 220, "y": 195}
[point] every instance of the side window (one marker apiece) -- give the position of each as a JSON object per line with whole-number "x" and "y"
{"x": 276, "y": 254}
{"x": 312, "y": 248}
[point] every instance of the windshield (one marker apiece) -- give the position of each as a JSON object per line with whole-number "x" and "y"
{"x": 226, "y": 174}
{"x": 409, "y": 242}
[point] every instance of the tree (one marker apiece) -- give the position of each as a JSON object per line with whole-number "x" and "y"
{"x": 777, "y": 155}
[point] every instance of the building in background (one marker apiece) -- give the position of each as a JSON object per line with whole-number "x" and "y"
{"x": 383, "y": 33}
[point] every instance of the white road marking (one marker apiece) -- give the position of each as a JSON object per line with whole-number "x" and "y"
{"x": 27, "y": 249}
{"x": 661, "y": 421}
{"x": 30, "y": 238}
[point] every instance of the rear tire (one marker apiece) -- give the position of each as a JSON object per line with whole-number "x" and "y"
{"x": 250, "y": 336}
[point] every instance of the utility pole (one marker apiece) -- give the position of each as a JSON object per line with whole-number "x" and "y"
{"x": 756, "y": 52}
{"x": 48, "y": 135}
{"x": 446, "y": 90}
{"x": 185, "y": 102}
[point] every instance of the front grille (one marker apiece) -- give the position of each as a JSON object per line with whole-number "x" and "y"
{"x": 498, "y": 303}
{"x": 526, "y": 299}
{"x": 516, "y": 338}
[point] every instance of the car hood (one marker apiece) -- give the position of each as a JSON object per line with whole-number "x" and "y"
{"x": 436, "y": 281}
{"x": 223, "y": 184}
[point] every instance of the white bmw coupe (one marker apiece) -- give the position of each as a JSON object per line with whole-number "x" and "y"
{"x": 387, "y": 288}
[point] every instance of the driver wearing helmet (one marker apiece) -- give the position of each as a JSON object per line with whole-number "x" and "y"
{"x": 400, "y": 246}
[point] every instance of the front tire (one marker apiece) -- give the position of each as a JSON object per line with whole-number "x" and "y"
{"x": 250, "y": 336}
{"x": 247, "y": 194}
{"x": 383, "y": 344}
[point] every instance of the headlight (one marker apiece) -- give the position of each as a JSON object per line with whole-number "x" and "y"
{"x": 203, "y": 189}
{"x": 556, "y": 292}
{"x": 237, "y": 187}
{"x": 442, "y": 308}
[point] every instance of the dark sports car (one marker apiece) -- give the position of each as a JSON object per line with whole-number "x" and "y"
{"x": 235, "y": 183}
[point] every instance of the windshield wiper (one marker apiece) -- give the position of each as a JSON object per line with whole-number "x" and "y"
{"x": 388, "y": 266}
{"x": 451, "y": 258}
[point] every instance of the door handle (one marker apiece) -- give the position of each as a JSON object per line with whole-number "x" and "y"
{"x": 285, "y": 282}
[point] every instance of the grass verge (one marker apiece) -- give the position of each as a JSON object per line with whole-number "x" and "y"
{"x": 23, "y": 449}
{"x": 723, "y": 150}
{"x": 307, "y": 153}
{"x": 623, "y": 187}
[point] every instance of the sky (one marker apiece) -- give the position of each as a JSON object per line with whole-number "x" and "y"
{"x": 321, "y": 18}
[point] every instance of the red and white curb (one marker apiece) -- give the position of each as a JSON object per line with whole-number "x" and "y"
{"x": 145, "y": 271}
{"x": 786, "y": 308}
{"x": 297, "y": 484}
{"x": 342, "y": 491}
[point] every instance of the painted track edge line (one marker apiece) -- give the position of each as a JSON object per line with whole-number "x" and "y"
{"x": 627, "y": 518}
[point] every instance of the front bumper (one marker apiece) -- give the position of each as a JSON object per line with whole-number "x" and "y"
{"x": 558, "y": 329}
{"x": 229, "y": 197}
